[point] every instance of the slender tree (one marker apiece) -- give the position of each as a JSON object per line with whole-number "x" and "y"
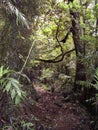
{"x": 79, "y": 48}
{"x": 96, "y": 35}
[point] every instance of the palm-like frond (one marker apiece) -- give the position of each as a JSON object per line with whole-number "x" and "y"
{"x": 20, "y": 17}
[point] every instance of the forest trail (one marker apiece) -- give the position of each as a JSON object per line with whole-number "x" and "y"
{"x": 53, "y": 113}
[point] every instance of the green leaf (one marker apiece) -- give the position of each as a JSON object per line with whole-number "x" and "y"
{"x": 8, "y": 86}
{"x": 19, "y": 92}
{"x": 3, "y": 81}
{"x": 6, "y": 71}
{"x": 4, "y": 84}
{"x": 11, "y": 85}
{"x": 47, "y": 30}
{"x": 16, "y": 86}
{"x": 13, "y": 94}
{"x": 63, "y": 6}
{"x": 1, "y": 71}
{"x": 14, "y": 80}
{"x": 17, "y": 100}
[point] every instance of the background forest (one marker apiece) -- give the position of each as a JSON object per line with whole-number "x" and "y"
{"x": 52, "y": 44}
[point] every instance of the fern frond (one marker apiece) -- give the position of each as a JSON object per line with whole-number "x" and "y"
{"x": 84, "y": 83}
{"x": 20, "y": 17}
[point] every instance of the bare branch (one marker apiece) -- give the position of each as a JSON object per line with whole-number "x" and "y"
{"x": 56, "y": 60}
{"x": 24, "y": 65}
{"x": 66, "y": 36}
{"x": 57, "y": 38}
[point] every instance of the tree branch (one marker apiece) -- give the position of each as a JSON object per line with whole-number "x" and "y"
{"x": 55, "y": 59}
{"x": 66, "y": 36}
{"x": 58, "y": 40}
{"x": 30, "y": 50}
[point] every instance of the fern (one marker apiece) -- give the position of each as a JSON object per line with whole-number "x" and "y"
{"x": 20, "y": 17}
{"x": 89, "y": 83}
{"x": 84, "y": 83}
{"x": 11, "y": 85}
{"x": 95, "y": 85}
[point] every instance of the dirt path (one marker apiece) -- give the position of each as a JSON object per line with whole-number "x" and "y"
{"x": 55, "y": 114}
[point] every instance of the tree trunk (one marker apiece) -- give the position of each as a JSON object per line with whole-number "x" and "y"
{"x": 13, "y": 56}
{"x": 79, "y": 49}
{"x": 96, "y": 33}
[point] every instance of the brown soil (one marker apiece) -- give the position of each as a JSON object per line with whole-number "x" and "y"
{"x": 54, "y": 113}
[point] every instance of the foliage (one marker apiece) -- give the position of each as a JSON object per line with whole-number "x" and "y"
{"x": 11, "y": 85}
{"x": 23, "y": 125}
{"x": 48, "y": 23}
{"x": 95, "y": 85}
{"x": 47, "y": 73}
{"x": 11, "y": 9}
{"x": 27, "y": 125}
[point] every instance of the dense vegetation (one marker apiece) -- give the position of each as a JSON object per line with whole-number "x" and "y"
{"x": 52, "y": 44}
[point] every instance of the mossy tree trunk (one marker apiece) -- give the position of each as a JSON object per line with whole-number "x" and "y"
{"x": 79, "y": 49}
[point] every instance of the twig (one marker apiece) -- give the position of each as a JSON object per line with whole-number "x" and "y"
{"x": 26, "y": 59}
{"x": 57, "y": 38}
